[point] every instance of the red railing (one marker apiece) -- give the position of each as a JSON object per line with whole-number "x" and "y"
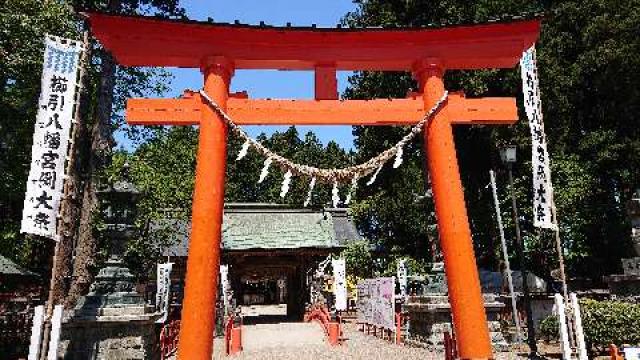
{"x": 450, "y": 346}
{"x": 169, "y": 338}
{"x": 332, "y": 329}
{"x": 401, "y": 319}
{"x": 233, "y": 335}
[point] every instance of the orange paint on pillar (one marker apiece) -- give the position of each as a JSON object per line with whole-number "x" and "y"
{"x": 465, "y": 296}
{"x": 203, "y": 263}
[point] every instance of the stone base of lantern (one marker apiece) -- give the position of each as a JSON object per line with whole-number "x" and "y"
{"x": 111, "y": 322}
{"x": 430, "y": 318}
{"x": 114, "y": 333}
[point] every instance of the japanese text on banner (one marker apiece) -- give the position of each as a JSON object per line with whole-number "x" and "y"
{"x": 340, "y": 283}
{"x": 51, "y": 137}
{"x": 542, "y": 188}
{"x": 163, "y": 290}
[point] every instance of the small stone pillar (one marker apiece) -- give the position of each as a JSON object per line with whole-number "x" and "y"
{"x": 628, "y": 283}
{"x": 112, "y": 321}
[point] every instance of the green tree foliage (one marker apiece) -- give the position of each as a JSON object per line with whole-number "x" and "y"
{"x": 23, "y": 25}
{"x": 359, "y": 260}
{"x": 588, "y": 68}
{"x": 609, "y": 322}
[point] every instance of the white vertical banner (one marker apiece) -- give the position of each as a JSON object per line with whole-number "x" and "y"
{"x": 579, "y": 333}
{"x": 51, "y": 137}
{"x": 36, "y": 333}
{"x": 562, "y": 322}
{"x": 542, "y": 187}
{"x": 631, "y": 353}
{"x": 340, "y": 283}
{"x": 163, "y": 290}
{"x": 401, "y": 272}
{"x": 56, "y": 323}
{"x": 224, "y": 285}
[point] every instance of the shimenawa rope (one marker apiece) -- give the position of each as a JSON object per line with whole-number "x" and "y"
{"x": 344, "y": 175}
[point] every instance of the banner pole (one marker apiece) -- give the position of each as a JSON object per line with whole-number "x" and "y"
{"x": 505, "y": 253}
{"x": 563, "y": 277}
{"x": 56, "y": 283}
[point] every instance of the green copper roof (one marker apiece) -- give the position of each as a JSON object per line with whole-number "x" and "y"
{"x": 276, "y": 229}
{"x": 249, "y": 226}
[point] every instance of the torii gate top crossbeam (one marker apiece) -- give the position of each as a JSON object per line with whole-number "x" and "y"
{"x": 145, "y": 41}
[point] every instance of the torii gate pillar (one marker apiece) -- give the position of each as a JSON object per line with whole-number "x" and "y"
{"x": 465, "y": 296}
{"x": 203, "y": 263}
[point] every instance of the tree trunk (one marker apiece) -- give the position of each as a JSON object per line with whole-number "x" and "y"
{"x": 69, "y": 208}
{"x": 101, "y": 144}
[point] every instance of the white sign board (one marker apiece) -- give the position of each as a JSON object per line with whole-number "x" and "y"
{"x": 224, "y": 284}
{"x": 163, "y": 284}
{"x": 376, "y": 302}
{"x": 56, "y": 323}
{"x": 51, "y": 137}
{"x": 632, "y": 353}
{"x": 340, "y": 283}
{"x": 562, "y": 322}
{"x": 36, "y": 333}
{"x": 542, "y": 188}
{"x": 403, "y": 281}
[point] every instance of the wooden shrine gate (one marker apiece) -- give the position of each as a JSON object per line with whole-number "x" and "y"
{"x": 219, "y": 49}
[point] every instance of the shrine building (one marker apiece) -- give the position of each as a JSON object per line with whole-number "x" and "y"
{"x": 270, "y": 249}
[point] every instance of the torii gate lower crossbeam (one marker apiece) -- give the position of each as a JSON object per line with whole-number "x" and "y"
{"x": 455, "y": 236}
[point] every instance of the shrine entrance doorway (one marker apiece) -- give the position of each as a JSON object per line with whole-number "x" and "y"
{"x": 220, "y": 49}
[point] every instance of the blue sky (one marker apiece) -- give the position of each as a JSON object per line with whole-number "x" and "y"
{"x": 271, "y": 84}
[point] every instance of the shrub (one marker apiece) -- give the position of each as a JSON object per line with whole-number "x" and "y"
{"x": 549, "y": 328}
{"x": 610, "y": 322}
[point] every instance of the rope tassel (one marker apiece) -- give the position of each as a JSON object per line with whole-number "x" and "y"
{"x": 285, "y": 184}
{"x": 325, "y": 174}
{"x": 354, "y": 185}
{"x": 265, "y": 170}
{"x": 312, "y": 184}
{"x": 398, "y": 161}
{"x": 375, "y": 175}
{"x": 243, "y": 150}
{"x": 335, "y": 196}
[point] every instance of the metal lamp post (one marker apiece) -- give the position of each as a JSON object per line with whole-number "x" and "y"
{"x": 508, "y": 156}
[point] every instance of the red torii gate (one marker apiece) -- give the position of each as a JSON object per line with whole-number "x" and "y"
{"x": 219, "y": 49}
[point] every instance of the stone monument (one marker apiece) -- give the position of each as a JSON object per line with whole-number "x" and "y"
{"x": 628, "y": 284}
{"x": 430, "y": 314}
{"x": 112, "y": 321}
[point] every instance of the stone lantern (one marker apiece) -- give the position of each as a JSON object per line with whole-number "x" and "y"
{"x": 114, "y": 284}
{"x": 112, "y": 321}
{"x": 628, "y": 284}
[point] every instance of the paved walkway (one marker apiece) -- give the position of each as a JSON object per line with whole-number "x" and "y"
{"x": 260, "y": 337}
{"x": 306, "y": 341}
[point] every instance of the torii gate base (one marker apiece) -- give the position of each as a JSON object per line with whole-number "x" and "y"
{"x": 161, "y": 42}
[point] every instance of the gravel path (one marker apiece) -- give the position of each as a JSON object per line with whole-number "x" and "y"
{"x": 299, "y": 341}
